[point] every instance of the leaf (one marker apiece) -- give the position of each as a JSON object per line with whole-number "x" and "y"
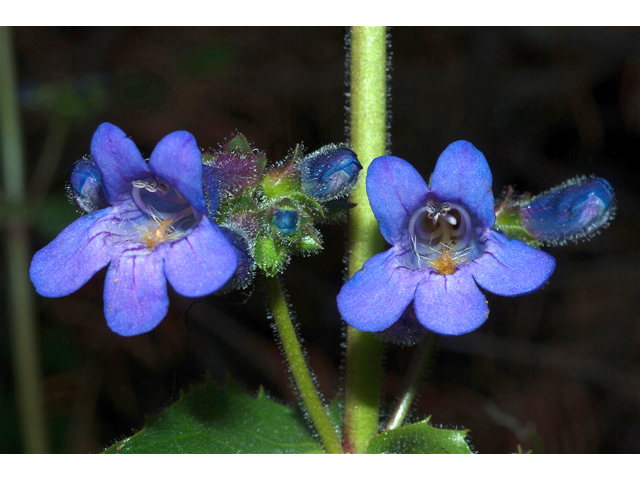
{"x": 223, "y": 420}
{"x": 420, "y": 438}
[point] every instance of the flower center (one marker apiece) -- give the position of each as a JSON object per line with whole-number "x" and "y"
{"x": 168, "y": 216}
{"x": 442, "y": 236}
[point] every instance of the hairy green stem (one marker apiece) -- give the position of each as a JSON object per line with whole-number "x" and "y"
{"x": 23, "y": 330}
{"x": 368, "y": 132}
{"x": 419, "y": 364}
{"x": 299, "y": 367}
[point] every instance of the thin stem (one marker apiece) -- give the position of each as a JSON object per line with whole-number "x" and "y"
{"x": 49, "y": 159}
{"x": 23, "y": 330}
{"x": 299, "y": 367}
{"x": 419, "y": 364}
{"x": 368, "y": 130}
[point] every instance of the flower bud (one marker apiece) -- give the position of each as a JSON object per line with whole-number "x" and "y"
{"x": 329, "y": 172}
{"x": 575, "y": 210}
{"x": 85, "y": 186}
{"x": 285, "y": 221}
{"x": 230, "y": 172}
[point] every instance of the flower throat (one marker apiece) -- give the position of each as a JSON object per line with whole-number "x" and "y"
{"x": 168, "y": 216}
{"x": 442, "y": 236}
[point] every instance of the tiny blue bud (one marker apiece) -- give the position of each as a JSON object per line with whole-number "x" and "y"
{"x": 329, "y": 172}
{"x": 285, "y": 221}
{"x": 86, "y": 186}
{"x": 575, "y": 210}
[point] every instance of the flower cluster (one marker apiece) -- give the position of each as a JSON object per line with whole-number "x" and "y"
{"x": 273, "y": 213}
{"x": 202, "y": 221}
{"x": 442, "y": 248}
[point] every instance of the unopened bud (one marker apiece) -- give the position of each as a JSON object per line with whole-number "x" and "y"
{"x": 575, "y": 210}
{"x": 85, "y": 186}
{"x": 285, "y": 221}
{"x": 329, "y": 173}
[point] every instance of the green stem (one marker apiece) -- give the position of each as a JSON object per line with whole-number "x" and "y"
{"x": 419, "y": 364}
{"x": 23, "y": 330}
{"x": 368, "y": 131}
{"x": 299, "y": 368}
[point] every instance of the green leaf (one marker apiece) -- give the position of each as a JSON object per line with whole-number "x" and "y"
{"x": 420, "y": 438}
{"x": 223, "y": 420}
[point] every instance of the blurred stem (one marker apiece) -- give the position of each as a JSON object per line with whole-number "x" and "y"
{"x": 298, "y": 365}
{"x": 22, "y": 322}
{"x": 368, "y": 129}
{"x": 49, "y": 159}
{"x": 420, "y": 362}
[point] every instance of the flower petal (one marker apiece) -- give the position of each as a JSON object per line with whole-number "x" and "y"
{"x": 135, "y": 294}
{"x": 119, "y": 161}
{"x": 202, "y": 262}
{"x": 375, "y": 297}
{"x": 510, "y": 267}
{"x": 462, "y": 175}
{"x": 395, "y": 190}
{"x": 450, "y": 304}
{"x": 71, "y": 259}
{"x": 178, "y": 160}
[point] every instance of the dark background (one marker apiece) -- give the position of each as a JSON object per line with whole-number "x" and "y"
{"x": 556, "y": 371}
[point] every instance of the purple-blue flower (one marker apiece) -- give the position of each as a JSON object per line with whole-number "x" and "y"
{"x": 442, "y": 248}
{"x": 155, "y": 230}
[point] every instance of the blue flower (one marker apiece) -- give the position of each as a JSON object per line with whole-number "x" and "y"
{"x": 442, "y": 248}
{"x": 155, "y": 230}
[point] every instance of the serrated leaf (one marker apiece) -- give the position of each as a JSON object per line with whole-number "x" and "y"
{"x": 223, "y": 420}
{"x": 420, "y": 438}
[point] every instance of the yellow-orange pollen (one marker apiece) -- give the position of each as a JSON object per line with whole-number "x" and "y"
{"x": 447, "y": 260}
{"x": 160, "y": 231}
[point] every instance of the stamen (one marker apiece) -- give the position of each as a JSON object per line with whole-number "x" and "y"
{"x": 168, "y": 215}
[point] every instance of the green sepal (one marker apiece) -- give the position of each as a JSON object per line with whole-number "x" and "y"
{"x": 281, "y": 182}
{"x": 223, "y": 420}
{"x": 308, "y": 241}
{"x": 284, "y": 180}
{"x": 336, "y": 413}
{"x": 509, "y": 223}
{"x": 308, "y": 205}
{"x": 420, "y": 438}
{"x": 238, "y": 145}
{"x": 244, "y": 205}
{"x": 270, "y": 254}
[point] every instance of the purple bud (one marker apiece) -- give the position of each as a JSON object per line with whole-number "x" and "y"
{"x": 227, "y": 175}
{"x": 575, "y": 210}
{"x": 285, "y": 221}
{"x": 85, "y": 187}
{"x": 329, "y": 172}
